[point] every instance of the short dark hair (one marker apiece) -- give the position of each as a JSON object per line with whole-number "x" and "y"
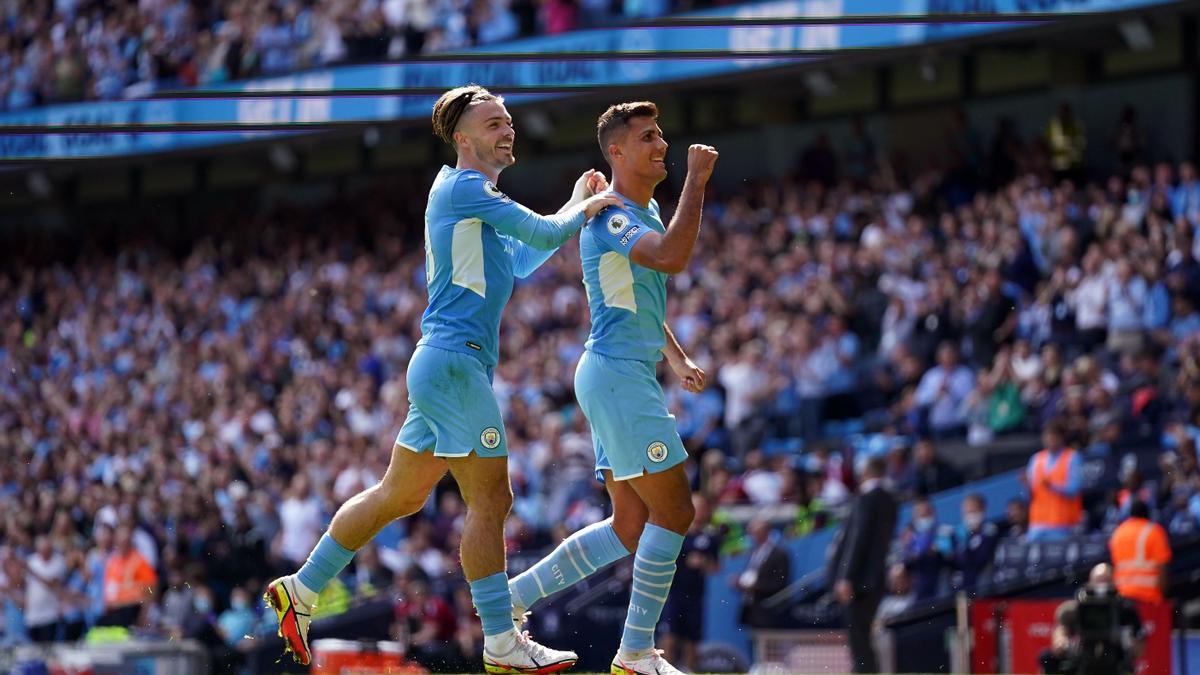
{"x": 875, "y": 467}
{"x": 451, "y": 105}
{"x": 617, "y": 117}
{"x": 977, "y": 498}
{"x": 1057, "y": 427}
{"x": 1138, "y": 509}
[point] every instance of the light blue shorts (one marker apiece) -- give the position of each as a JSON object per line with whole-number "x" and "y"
{"x": 632, "y": 431}
{"x": 452, "y": 409}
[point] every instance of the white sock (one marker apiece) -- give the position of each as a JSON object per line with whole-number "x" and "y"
{"x": 306, "y": 596}
{"x": 500, "y": 644}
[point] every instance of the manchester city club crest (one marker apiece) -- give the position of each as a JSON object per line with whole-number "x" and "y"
{"x": 490, "y": 438}
{"x": 657, "y": 452}
{"x": 617, "y": 223}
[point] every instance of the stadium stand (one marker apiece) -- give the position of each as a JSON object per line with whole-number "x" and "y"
{"x": 71, "y": 51}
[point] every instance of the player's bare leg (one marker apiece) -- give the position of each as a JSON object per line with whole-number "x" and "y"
{"x": 487, "y": 493}
{"x": 668, "y": 499}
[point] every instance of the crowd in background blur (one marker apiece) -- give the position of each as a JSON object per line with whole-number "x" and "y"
{"x": 182, "y": 416}
{"x": 72, "y": 50}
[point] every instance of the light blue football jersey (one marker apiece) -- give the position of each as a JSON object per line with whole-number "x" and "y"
{"x": 628, "y": 302}
{"x": 476, "y": 240}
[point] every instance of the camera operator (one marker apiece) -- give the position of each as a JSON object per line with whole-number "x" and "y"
{"x": 1098, "y": 633}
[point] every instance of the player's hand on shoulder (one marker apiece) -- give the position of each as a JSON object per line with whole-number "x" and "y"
{"x": 596, "y": 183}
{"x": 590, "y": 182}
{"x": 599, "y": 202}
{"x": 701, "y": 159}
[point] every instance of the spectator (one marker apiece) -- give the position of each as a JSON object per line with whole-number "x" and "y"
{"x": 237, "y": 624}
{"x": 1090, "y": 302}
{"x": 129, "y": 582}
{"x": 201, "y": 623}
{"x": 993, "y": 322}
{"x": 941, "y": 390}
{"x": 1126, "y": 306}
{"x": 12, "y": 599}
{"x": 1185, "y": 200}
{"x": 429, "y": 622}
{"x": 918, "y": 545}
{"x": 45, "y": 570}
{"x": 973, "y": 544}
{"x": 746, "y": 388}
{"x": 370, "y": 576}
{"x": 1016, "y": 519}
{"x": 1054, "y": 476}
{"x": 767, "y": 573}
{"x": 930, "y": 474}
{"x": 300, "y": 522}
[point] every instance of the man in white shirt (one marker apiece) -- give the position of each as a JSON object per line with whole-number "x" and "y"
{"x": 942, "y": 390}
{"x": 45, "y": 571}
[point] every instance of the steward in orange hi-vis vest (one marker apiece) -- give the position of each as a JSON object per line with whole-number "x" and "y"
{"x": 1140, "y": 552}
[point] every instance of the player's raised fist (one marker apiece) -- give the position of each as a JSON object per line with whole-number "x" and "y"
{"x": 701, "y": 159}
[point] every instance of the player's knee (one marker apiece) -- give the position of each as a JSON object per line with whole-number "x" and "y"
{"x": 493, "y": 504}
{"x": 677, "y": 518}
{"x": 399, "y": 499}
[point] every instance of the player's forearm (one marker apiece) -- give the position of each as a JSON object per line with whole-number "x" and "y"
{"x": 549, "y": 232}
{"x": 680, "y": 239}
{"x": 672, "y": 350}
{"x": 526, "y": 259}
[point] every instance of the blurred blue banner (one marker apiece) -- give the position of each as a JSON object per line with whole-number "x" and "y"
{"x": 501, "y": 73}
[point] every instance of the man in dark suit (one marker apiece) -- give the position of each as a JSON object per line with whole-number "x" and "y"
{"x": 859, "y": 562}
{"x": 766, "y": 574}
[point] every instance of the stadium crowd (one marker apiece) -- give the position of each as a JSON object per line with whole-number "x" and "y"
{"x": 72, "y": 50}
{"x": 181, "y": 414}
